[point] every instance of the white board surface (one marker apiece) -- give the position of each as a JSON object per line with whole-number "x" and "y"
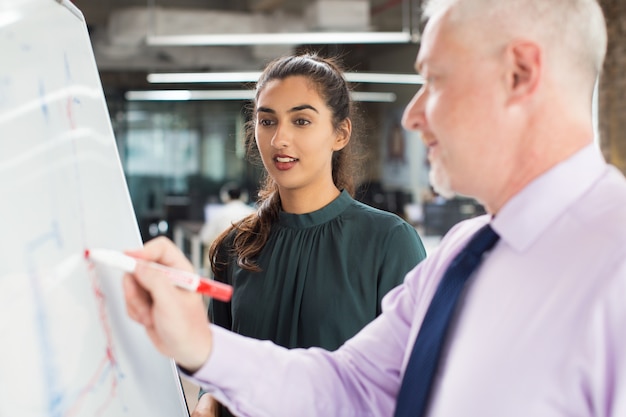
{"x": 67, "y": 347}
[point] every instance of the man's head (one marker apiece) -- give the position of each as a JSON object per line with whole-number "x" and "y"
{"x": 231, "y": 191}
{"x": 508, "y": 90}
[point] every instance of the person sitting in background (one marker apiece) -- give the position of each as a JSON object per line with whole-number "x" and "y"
{"x": 234, "y": 208}
{"x": 311, "y": 266}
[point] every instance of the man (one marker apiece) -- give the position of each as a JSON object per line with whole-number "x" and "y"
{"x": 506, "y": 114}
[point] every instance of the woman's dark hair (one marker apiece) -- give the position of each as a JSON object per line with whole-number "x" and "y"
{"x": 326, "y": 75}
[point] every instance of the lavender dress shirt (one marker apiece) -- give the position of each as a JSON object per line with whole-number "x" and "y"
{"x": 541, "y": 330}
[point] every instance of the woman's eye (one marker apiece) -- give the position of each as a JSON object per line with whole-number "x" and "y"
{"x": 302, "y": 122}
{"x": 265, "y": 122}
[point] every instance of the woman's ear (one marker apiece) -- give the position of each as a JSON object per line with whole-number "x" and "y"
{"x": 525, "y": 63}
{"x": 343, "y": 134}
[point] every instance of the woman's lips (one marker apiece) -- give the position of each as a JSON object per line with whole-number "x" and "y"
{"x": 283, "y": 162}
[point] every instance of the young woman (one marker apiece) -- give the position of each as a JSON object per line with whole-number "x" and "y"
{"x": 311, "y": 266}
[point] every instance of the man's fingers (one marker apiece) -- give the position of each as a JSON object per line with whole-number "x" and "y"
{"x": 163, "y": 251}
{"x": 138, "y": 301}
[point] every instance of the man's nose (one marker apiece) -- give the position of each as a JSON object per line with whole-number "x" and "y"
{"x": 413, "y": 116}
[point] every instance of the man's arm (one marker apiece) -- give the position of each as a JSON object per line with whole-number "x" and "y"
{"x": 258, "y": 378}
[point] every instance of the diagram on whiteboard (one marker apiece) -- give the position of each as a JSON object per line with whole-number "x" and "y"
{"x": 68, "y": 348}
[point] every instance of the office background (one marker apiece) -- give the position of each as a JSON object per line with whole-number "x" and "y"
{"x": 178, "y": 149}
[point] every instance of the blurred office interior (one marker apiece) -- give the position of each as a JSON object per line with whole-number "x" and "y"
{"x": 177, "y": 76}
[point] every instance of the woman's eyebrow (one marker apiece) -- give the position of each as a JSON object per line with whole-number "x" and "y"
{"x": 293, "y": 109}
{"x": 265, "y": 110}
{"x": 304, "y": 107}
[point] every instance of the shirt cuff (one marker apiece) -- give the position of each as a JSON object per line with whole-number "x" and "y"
{"x": 229, "y": 350}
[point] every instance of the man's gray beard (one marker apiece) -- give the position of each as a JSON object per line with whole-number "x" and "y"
{"x": 440, "y": 181}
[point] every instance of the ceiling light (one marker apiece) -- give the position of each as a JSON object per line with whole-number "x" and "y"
{"x": 373, "y": 97}
{"x": 204, "y": 77}
{"x": 187, "y": 95}
{"x": 383, "y": 78}
{"x": 244, "y": 77}
{"x": 299, "y": 38}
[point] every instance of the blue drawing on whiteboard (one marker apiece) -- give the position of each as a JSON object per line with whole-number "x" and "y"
{"x": 44, "y": 105}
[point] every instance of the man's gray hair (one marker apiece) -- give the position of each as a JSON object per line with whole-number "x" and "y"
{"x": 576, "y": 27}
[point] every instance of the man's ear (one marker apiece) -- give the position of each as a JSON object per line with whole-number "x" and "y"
{"x": 524, "y": 70}
{"x": 343, "y": 134}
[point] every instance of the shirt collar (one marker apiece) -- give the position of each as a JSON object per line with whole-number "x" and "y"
{"x": 315, "y": 218}
{"x": 525, "y": 216}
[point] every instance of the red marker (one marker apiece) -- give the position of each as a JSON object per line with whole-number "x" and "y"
{"x": 183, "y": 279}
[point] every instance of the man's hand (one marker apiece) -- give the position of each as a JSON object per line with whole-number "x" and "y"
{"x": 175, "y": 319}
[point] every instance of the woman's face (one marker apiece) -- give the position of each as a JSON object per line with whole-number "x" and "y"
{"x": 295, "y": 134}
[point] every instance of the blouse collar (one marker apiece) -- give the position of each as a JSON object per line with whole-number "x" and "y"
{"x": 317, "y": 217}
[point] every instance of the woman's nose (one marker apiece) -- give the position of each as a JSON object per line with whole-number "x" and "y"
{"x": 281, "y": 138}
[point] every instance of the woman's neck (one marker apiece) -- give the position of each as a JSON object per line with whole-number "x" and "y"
{"x": 305, "y": 201}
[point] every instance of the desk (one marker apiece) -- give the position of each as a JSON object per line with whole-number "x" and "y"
{"x": 189, "y": 231}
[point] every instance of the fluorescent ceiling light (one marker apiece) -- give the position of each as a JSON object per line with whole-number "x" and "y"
{"x": 371, "y": 77}
{"x": 204, "y": 77}
{"x": 252, "y": 76}
{"x": 374, "y": 97}
{"x": 298, "y": 38}
{"x": 186, "y": 95}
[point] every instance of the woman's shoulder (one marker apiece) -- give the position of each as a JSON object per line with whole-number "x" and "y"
{"x": 364, "y": 212}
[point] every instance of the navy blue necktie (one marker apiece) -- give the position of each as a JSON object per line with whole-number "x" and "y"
{"x": 416, "y": 385}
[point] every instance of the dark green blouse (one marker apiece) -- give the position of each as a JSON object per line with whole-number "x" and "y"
{"x": 323, "y": 275}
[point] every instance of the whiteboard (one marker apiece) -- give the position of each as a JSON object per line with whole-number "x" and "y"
{"x": 67, "y": 347}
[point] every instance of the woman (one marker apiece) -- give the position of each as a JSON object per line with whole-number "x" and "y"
{"x": 311, "y": 266}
